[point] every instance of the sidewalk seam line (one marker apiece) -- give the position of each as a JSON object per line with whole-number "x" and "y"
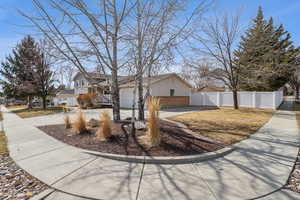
{"x": 73, "y": 171}
{"x": 207, "y": 184}
{"x": 38, "y": 154}
{"x": 140, "y": 181}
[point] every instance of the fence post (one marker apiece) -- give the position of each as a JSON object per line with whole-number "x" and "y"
{"x": 254, "y": 99}
{"x": 218, "y": 99}
{"x": 274, "y": 100}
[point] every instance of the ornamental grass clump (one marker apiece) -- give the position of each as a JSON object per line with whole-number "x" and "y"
{"x": 67, "y": 121}
{"x": 104, "y": 130}
{"x": 80, "y": 125}
{"x": 65, "y": 108}
{"x": 152, "y": 138}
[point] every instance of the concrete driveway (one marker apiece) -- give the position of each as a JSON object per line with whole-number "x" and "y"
{"x": 94, "y": 113}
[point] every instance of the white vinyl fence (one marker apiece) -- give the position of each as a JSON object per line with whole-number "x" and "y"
{"x": 245, "y": 99}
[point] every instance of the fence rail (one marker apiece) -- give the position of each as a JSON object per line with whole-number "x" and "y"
{"x": 270, "y": 100}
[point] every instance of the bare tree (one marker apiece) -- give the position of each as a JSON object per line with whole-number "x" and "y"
{"x": 218, "y": 39}
{"x": 43, "y": 74}
{"x": 199, "y": 73}
{"x": 65, "y": 74}
{"x": 153, "y": 35}
{"x": 85, "y": 33}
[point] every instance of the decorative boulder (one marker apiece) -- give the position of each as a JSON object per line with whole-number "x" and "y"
{"x": 93, "y": 123}
{"x": 140, "y": 125}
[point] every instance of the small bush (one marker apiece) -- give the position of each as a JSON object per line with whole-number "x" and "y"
{"x": 152, "y": 138}
{"x": 86, "y": 100}
{"x": 67, "y": 121}
{"x": 66, "y": 108}
{"x": 80, "y": 123}
{"x": 104, "y": 130}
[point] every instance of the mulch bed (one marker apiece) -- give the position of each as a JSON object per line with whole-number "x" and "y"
{"x": 294, "y": 179}
{"x": 15, "y": 183}
{"x": 174, "y": 141}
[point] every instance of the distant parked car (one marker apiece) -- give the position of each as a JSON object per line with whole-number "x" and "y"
{"x": 36, "y": 103}
{"x": 50, "y": 103}
{"x": 19, "y": 102}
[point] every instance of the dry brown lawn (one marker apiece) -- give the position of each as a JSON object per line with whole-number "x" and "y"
{"x": 226, "y": 125}
{"x": 17, "y": 107}
{"x": 3, "y": 147}
{"x": 35, "y": 112}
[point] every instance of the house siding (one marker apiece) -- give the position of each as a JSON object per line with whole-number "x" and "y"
{"x": 162, "y": 88}
{"x": 80, "y": 85}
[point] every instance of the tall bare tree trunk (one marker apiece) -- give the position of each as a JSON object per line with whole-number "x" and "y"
{"x": 115, "y": 96}
{"x": 29, "y": 99}
{"x": 235, "y": 99}
{"x": 44, "y": 98}
{"x": 297, "y": 92}
{"x": 141, "y": 98}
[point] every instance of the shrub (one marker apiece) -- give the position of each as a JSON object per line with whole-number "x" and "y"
{"x": 67, "y": 121}
{"x": 80, "y": 123}
{"x": 153, "y": 136}
{"x": 86, "y": 100}
{"x": 104, "y": 130}
{"x": 65, "y": 108}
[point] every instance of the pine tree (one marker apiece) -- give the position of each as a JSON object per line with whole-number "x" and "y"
{"x": 18, "y": 71}
{"x": 266, "y": 55}
{"x": 26, "y": 73}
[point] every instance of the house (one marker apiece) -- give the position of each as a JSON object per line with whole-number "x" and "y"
{"x": 66, "y": 96}
{"x": 170, "y": 88}
{"x": 210, "y": 88}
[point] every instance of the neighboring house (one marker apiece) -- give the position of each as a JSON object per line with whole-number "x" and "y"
{"x": 170, "y": 88}
{"x": 100, "y": 84}
{"x": 210, "y": 88}
{"x": 65, "y": 96}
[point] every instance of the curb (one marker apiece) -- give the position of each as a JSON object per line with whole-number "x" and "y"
{"x": 165, "y": 159}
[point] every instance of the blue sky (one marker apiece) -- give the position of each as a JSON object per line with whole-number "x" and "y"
{"x": 286, "y": 12}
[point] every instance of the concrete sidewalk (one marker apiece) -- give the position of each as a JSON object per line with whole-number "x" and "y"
{"x": 258, "y": 169}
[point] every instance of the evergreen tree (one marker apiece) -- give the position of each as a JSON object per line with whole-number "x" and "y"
{"x": 18, "y": 71}
{"x": 26, "y": 73}
{"x": 266, "y": 55}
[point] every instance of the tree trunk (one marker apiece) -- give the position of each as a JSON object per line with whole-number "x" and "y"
{"x": 29, "y": 103}
{"x": 44, "y": 98}
{"x": 115, "y": 96}
{"x": 235, "y": 99}
{"x": 297, "y": 92}
{"x": 141, "y": 98}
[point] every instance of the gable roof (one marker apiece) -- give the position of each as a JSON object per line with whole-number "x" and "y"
{"x": 66, "y": 91}
{"x": 97, "y": 77}
{"x": 156, "y": 79}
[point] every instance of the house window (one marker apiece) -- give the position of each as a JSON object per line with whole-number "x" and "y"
{"x": 82, "y": 82}
{"x": 106, "y": 92}
{"x": 172, "y": 92}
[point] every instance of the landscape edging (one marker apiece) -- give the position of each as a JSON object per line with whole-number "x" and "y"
{"x": 165, "y": 159}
